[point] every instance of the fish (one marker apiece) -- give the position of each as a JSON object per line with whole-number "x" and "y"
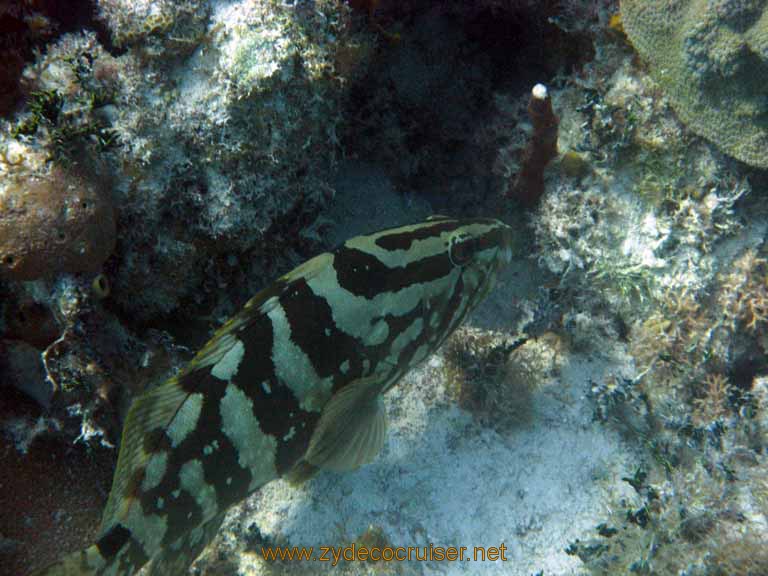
{"x": 290, "y": 385}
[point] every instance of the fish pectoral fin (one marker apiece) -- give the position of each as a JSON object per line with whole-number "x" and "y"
{"x": 352, "y": 428}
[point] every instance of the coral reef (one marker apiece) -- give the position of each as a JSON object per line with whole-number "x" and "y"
{"x": 26, "y": 26}
{"x": 235, "y": 146}
{"x": 659, "y": 244}
{"x": 633, "y": 218}
{"x": 710, "y": 58}
{"x": 141, "y": 178}
{"x": 238, "y": 150}
{"x": 613, "y": 394}
{"x": 156, "y": 29}
{"x": 695, "y": 402}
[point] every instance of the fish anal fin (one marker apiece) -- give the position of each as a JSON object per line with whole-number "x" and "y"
{"x": 351, "y": 429}
{"x": 178, "y": 557}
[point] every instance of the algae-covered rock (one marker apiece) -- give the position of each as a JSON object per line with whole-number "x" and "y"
{"x": 711, "y": 57}
{"x": 161, "y": 28}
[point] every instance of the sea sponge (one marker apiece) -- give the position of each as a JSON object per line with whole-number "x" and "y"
{"x": 541, "y": 148}
{"x": 711, "y": 58}
{"x": 54, "y": 223}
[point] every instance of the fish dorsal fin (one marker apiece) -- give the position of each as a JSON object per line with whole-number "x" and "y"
{"x": 262, "y": 303}
{"x": 153, "y": 413}
{"x": 310, "y": 268}
{"x": 352, "y": 428}
{"x": 265, "y": 300}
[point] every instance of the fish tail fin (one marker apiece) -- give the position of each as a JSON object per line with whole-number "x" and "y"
{"x": 178, "y": 557}
{"x": 85, "y": 562}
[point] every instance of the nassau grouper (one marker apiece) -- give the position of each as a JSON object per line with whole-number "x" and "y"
{"x": 290, "y": 385}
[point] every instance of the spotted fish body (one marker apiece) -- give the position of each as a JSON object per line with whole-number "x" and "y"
{"x": 289, "y": 385}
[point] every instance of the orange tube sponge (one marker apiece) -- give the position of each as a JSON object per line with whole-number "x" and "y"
{"x": 541, "y": 149}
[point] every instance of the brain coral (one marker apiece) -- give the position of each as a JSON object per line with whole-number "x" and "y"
{"x": 711, "y": 58}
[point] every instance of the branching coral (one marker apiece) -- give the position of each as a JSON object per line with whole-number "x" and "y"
{"x": 744, "y": 294}
{"x": 714, "y": 402}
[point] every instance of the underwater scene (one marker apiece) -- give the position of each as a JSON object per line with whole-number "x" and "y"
{"x": 383, "y": 287}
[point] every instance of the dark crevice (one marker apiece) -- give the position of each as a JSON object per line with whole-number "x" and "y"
{"x": 426, "y": 107}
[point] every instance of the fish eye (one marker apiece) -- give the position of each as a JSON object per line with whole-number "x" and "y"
{"x": 461, "y": 248}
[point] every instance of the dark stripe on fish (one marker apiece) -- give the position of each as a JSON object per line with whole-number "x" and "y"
{"x": 313, "y": 330}
{"x": 450, "y": 322}
{"x": 282, "y": 407}
{"x": 111, "y": 542}
{"x": 156, "y": 441}
{"x": 403, "y": 240}
{"x": 133, "y": 556}
{"x": 363, "y": 274}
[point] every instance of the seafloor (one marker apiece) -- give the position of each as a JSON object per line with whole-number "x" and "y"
{"x": 604, "y": 411}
